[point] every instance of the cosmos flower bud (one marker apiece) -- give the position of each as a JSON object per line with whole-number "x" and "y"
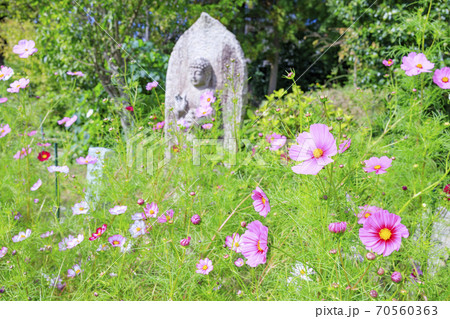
{"x": 396, "y": 276}
{"x": 404, "y": 188}
{"x": 337, "y": 227}
{"x": 2, "y": 290}
{"x": 185, "y": 241}
{"x": 370, "y": 256}
{"x": 196, "y": 219}
{"x": 333, "y": 251}
{"x": 260, "y": 134}
{"x": 380, "y": 271}
{"x": 243, "y": 224}
{"x": 140, "y": 201}
{"x": 373, "y": 294}
{"x": 192, "y": 193}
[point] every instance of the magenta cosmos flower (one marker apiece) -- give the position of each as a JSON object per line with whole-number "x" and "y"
{"x": 367, "y": 211}
{"x": 276, "y": 141}
{"x": 382, "y": 233}
{"x": 345, "y": 145}
{"x": 25, "y": 48}
{"x": 207, "y": 98}
{"x": 377, "y": 165}
{"x": 337, "y": 227}
{"x": 314, "y": 149}
{"x": 3, "y": 100}
{"x": 441, "y": 78}
{"x": 117, "y": 240}
{"x": 87, "y": 160}
{"x": 254, "y": 243}
{"x": 207, "y": 126}
{"x": 77, "y": 73}
{"x": 68, "y": 121}
{"x": 167, "y": 217}
{"x": 98, "y": 232}
{"x": 4, "y": 130}
{"x": 151, "y": 85}
{"x": 234, "y": 242}
{"x": 159, "y": 125}
{"x": 388, "y": 62}
{"x": 17, "y": 85}
{"x": 204, "y": 266}
{"x": 260, "y": 202}
{"x": 196, "y": 219}
{"x": 414, "y": 64}
{"x": 5, "y": 73}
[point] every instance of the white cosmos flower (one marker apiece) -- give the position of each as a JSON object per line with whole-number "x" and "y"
{"x": 301, "y": 271}
{"x": 80, "y": 208}
{"x": 22, "y": 236}
{"x": 138, "y": 228}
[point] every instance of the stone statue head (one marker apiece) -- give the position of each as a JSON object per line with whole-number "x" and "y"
{"x": 200, "y": 72}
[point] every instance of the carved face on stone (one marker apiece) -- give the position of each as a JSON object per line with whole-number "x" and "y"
{"x": 200, "y": 72}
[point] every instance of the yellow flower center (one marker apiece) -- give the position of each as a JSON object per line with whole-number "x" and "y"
{"x": 168, "y": 217}
{"x": 419, "y": 66}
{"x": 138, "y": 229}
{"x": 115, "y": 242}
{"x": 151, "y": 212}
{"x": 205, "y": 267}
{"x": 302, "y": 272}
{"x": 385, "y": 234}
{"x": 445, "y": 79}
{"x": 317, "y": 153}
{"x": 377, "y": 167}
{"x": 263, "y": 200}
{"x": 389, "y": 62}
{"x": 81, "y": 209}
{"x": 2, "y": 75}
{"x": 23, "y": 236}
{"x": 44, "y": 156}
{"x": 236, "y": 244}
{"x": 367, "y": 215}
{"x": 78, "y": 271}
{"x": 204, "y": 113}
{"x": 259, "y": 246}
{"x": 18, "y": 86}
{"x": 208, "y": 99}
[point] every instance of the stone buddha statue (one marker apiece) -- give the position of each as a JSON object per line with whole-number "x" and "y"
{"x": 201, "y": 76}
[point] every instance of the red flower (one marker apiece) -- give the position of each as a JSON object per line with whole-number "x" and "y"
{"x": 129, "y": 108}
{"x": 44, "y": 156}
{"x": 447, "y": 189}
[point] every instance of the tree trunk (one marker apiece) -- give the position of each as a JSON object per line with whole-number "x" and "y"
{"x": 274, "y": 67}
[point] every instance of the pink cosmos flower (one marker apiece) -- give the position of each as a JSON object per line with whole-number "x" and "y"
{"x": 36, "y": 185}
{"x": 63, "y": 120}
{"x": 203, "y": 110}
{"x": 377, "y": 165}
{"x": 345, "y": 145}
{"x": 314, "y": 149}
{"x": 441, "y": 78}
{"x": 414, "y": 64}
{"x": 87, "y": 160}
{"x": 151, "y": 85}
{"x": 74, "y": 272}
{"x": 207, "y": 98}
{"x": 159, "y": 125}
{"x": 276, "y": 141}
{"x": 151, "y": 210}
{"x": 32, "y": 133}
{"x": 72, "y": 120}
{"x": 185, "y": 241}
{"x": 204, "y": 266}
{"x": 98, "y": 232}
{"x": 77, "y": 73}
{"x": 367, "y": 211}
{"x": 43, "y": 144}
{"x": 207, "y": 126}
{"x": 17, "y": 85}
{"x": 22, "y": 236}
{"x": 5, "y": 73}
{"x": 80, "y": 208}
{"x": 388, "y": 62}
{"x": 234, "y": 242}
{"x": 167, "y": 217}
{"x": 3, "y": 252}
{"x": 260, "y": 202}
{"x": 117, "y": 210}
{"x": 117, "y": 240}
{"x": 47, "y": 234}
{"x": 102, "y": 247}
{"x": 24, "y": 152}
{"x": 382, "y": 233}
{"x": 239, "y": 262}
{"x": 337, "y": 227}
{"x": 3, "y": 99}
{"x": 59, "y": 169}
{"x": 25, "y": 48}
{"x": 254, "y": 243}
{"x": 4, "y": 130}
